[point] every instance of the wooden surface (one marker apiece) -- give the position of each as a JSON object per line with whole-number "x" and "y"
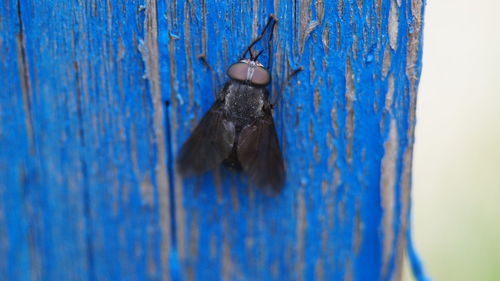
{"x": 97, "y": 97}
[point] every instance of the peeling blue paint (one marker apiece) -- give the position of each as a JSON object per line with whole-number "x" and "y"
{"x": 80, "y": 190}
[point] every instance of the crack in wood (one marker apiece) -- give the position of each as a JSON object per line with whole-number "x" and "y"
{"x": 25, "y": 79}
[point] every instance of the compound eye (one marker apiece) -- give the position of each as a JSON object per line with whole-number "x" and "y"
{"x": 238, "y": 71}
{"x": 261, "y": 76}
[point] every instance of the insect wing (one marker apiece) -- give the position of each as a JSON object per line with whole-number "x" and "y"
{"x": 209, "y": 144}
{"x": 260, "y": 155}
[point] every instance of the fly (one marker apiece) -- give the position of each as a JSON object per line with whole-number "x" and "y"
{"x": 238, "y": 130}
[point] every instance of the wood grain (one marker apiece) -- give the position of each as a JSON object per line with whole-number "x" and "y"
{"x": 98, "y": 96}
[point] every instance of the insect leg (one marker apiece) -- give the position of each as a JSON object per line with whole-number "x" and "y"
{"x": 272, "y": 20}
{"x": 275, "y": 99}
{"x": 215, "y": 78}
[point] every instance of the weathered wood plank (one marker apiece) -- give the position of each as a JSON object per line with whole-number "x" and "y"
{"x": 15, "y": 145}
{"x": 98, "y": 97}
{"x": 90, "y": 167}
{"x": 346, "y": 126}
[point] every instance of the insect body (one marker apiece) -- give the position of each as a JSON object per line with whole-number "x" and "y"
{"x": 238, "y": 130}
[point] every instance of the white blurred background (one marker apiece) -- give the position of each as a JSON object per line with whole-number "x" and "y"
{"x": 456, "y": 175}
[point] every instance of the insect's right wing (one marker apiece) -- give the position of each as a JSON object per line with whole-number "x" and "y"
{"x": 260, "y": 155}
{"x": 209, "y": 144}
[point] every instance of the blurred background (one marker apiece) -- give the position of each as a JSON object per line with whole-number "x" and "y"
{"x": 456, "y": 175}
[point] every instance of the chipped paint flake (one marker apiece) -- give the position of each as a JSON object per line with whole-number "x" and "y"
{"x": 300, "y": 232}
{"x": 325, "y": 39}
{"x": 389, "y": 96}
{"x": 414, "y": 35}
{"x": 317, "y": 100}
{"x": 320, "y": 10}
{"x": 340, "y": 8}
{"x": 147, "y": 191}
{"x": 386, "y": 64}
{"x": 378, "y": 7}
{"x": 360, "y": 6}
{"x": 306, "y": 25}
{"x": 393, "y": 25}
{"x": 358, "y": 229}
{"x": 194, "y": 242}
{"x": 387, "y": 194}
{"x": 405, "y": 197}
{"x": 255, "y": 22}
{"x": 319, "y": 271}
{"x": 189, "y": 60}
{"x": 350, "y": 98}
{"x": 354, "y": 42}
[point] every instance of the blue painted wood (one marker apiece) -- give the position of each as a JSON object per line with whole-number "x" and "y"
{"x": 14, "y": 150}
{"x": 78, "y": 163}
{"x": 98, "y": 97}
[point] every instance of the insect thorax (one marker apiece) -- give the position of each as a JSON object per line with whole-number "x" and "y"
{"x": 244, "y": 102}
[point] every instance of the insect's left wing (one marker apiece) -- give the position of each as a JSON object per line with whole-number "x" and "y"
{"x": 260, "y": 155}
{"x": 209, "y": 144}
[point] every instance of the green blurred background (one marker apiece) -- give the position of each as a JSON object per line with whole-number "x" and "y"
{"x": 456, "y": 172}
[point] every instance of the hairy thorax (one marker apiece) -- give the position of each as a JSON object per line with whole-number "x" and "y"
{"x": 243, "y": 102}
